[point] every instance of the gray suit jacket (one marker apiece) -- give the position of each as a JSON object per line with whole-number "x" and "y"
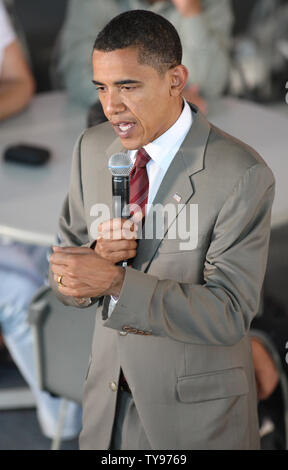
{"x": 180, "y": 328}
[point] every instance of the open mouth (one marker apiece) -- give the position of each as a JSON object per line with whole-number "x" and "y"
{"x": 124, "y": 129}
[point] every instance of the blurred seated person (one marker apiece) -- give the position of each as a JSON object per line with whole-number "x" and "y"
{"x": 204, "y": 27}
{"x": 16, "y": 81}
{"x": 23, "y": 267}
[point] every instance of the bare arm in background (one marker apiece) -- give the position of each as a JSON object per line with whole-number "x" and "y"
{"x": 17, "y": 84}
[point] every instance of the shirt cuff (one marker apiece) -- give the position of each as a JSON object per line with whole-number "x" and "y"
{"x": 112, "y": 304}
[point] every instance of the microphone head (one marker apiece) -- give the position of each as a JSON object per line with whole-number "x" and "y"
{"x": 120, "y": 164}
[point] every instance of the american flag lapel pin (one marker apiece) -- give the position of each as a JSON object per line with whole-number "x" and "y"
{"x": 177, "y": 197}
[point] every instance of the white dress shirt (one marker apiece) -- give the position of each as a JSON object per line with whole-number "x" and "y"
{"x": 162, "y": 151}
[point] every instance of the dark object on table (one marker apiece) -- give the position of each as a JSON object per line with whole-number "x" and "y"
{"x": 27, "y": 154}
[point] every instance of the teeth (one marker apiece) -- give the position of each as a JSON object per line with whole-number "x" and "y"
{"x": 125, "y": 127}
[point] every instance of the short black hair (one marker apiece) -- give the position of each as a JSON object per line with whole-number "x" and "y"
{"x": 158, "y": 41}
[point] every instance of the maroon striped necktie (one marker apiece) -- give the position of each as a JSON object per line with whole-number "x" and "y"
{"x": 139, "y": 182}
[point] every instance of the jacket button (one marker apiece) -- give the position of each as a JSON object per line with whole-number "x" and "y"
{"x": 113, "y": 386}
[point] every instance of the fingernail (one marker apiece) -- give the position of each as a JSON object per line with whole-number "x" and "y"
{"x": 57, "y": 248}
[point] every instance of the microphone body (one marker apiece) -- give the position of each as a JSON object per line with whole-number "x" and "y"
{"x": 120, "y": 166}
{"x": 120, "y": 193}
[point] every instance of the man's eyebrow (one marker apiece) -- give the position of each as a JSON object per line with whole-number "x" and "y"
{"x": 119, "y": 82}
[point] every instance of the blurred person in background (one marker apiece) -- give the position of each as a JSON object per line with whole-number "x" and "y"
{"x": 16, "y": 80}
{"x": 259, "y": 59}
{"x": 23, "y": 267}
{"x": 204, "y": 27}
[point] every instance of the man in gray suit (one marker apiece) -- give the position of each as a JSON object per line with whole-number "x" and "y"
{"x": 171, "y": 364}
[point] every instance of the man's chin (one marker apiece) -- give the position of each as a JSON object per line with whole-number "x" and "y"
{"x": 130, "y": 144}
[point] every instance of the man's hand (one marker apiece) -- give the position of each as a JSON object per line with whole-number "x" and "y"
{"x": 188, "y": 7}
{"x": 117, "y": 240}
{"x": 266, "y": 374}
{"x": 85, "y": 273}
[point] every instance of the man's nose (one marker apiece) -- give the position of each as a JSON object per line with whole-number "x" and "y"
{"x": 113, "y": 103}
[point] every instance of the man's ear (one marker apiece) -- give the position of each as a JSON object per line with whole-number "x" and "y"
{"x": 178, "y": 79}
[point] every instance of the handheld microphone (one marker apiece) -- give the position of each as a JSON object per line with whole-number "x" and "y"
{"x": 120, "y": 166}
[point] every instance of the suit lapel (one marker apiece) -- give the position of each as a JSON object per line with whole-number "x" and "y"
{"x": 177, "y": 181}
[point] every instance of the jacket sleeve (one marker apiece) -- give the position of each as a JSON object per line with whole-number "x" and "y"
{"x": 72, "y": 223}
{"x": 219, "y": 311}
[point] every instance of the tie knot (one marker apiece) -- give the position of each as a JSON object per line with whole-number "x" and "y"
{"x": 142, "y": 158}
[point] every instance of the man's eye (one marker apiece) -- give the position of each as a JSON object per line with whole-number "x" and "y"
{"x": 127, "y": 88}
{"x": 100, "y": 88}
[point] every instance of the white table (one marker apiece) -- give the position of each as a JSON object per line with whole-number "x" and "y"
{"x": 31, "y": 197}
